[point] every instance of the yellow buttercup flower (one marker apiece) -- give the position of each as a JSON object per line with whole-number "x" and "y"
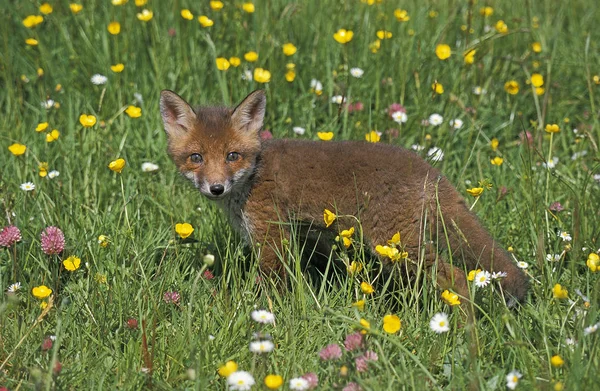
{"x": 46, "y": 9}
{"x": 552, "y": 128}
{"x": 145, "y": 15}
{"x": 391, "y": 324}
{"x": 472, "y": 273}
{"x": 52, "y": 136}
{"x": 401, "y": 15}
{"x": 273, "y": 382}
{"x": 475, "y": 191}
{"x": 497, "y": 161}
{"x": 540, "y": 90}
{"x": 470, "y": 56}
{"x": 43, "y": 167}
{"x": 593, "y": 262}
{"x": 72, "y": 263}
{"x": 251, "y": 56}
{"x": 325, "y": 136}
{"x": 31, "y": 41}
{"x": 450, "y": 298}
{"x": 442, "y": 51}
{"x": 228, "y": 368}
{"x": 290, "y": 75}
{"x": 41, "y": 127}
{"x": 262, "y": 75}
{"x": 384, "y": 34}
{"x": 289, "y": 49}
{"x": 512, "y": 87}
{"x": 216, "y": 5}
{"x": 375, "y": 46}
{"x": 103, "y": 241}
{"x": 438, "y": 88}
{"x": 41, "y": 292}
{"x": 117, "y": 68}
{"x": 536, "y": 47}
{"x": 114, "y": 28}
{"x": 354, "y": 267}
{"x": 486, "y": 11}
{"x": 187, "y": 14}
{"x": 118, "y": 2}
{"x": 343, "y": 36}
{"x": 140, "y": 3}
{"x": 557, "y": 361}
{"x": 75, "y": 8}
{"x": 222, "y": 63}
{"x": 359, "y": 305}
{"x": 17, "y": 149}
{"x": 235, "y": 61}
{"x": 366, "y": 288}
{"x": 372, "y": 137}
{"x": 329, "y": 217}
{"x": 134, "y": 111}
{"x": 32, "y": 20}
{"x": 366, "y": 325}
{"x": 205, "y": 21}
{"x": 537, "y": 80}
{"x": 117, "y": 165}
{"x": 184, "y": 230}
{"x": 559, "y": 292}
{"x": 494, "y": 143}
{"x": 501, "y": 27}
{"x": 248, "y": 7}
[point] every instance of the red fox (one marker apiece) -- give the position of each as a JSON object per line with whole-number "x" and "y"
{"x": 264, "y": 183}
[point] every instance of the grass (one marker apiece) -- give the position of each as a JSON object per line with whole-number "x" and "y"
{"x": 181, "y": 345}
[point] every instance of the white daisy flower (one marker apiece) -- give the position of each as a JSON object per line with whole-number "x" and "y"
{"x": 48, "y": 104}
{"x": 522, "y": 264}
{"x": 99, "y": 79}
{"x": 27, "y": 186}
{"x": 590, "y": 329}
{"x": 356, "y": 72}
{"x": 498, "y": 275}
{"x": 435, "y": 154}
{"x": 551, "y": 163}
{"x": 14, "y": 287}
{"x": 482, "y": 279}
{"x": 456, "y": 123}
{"x": 570, "y": 342}
{"x": 149, "y": 167}
{"x": 477, "y": 90}
{"x": 240, "y": 381}
{"x": 435, "y": 119}
{"x": 209, "y": 259}
{"x": 261, "y": 346}
{"x": 564, "y": 235}
{"x": 597, "y": 177}
{"x": 299, "y": 384}
{"x": 263, "y": 316}
{"x": 579, "y": 154}
{"x": 417, "y": 147}
{"x": 298, "y": 130}
{"x": 512, "y": 379}
{"x": 138, "y": 97}
{"x": 53, "y": 174}
{"x": 399, "y": 117}
{"x": 338, "y": 99}
{"x": 553, "y": 257}
{"x": 439, "y": 323}
{"x": 316, "y": 85}
{"x": 247, "y": 75}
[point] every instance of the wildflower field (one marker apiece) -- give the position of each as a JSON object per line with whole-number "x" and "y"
{"x": 116, "y": 274}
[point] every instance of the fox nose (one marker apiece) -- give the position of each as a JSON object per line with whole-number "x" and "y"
{"x": 217, "y": 189}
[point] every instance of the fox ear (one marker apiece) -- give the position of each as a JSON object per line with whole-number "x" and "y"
{"x": 178, "y": 117}
{"x": 250, "y": 114}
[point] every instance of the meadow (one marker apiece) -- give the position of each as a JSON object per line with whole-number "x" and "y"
{"x": 115, "y": 273}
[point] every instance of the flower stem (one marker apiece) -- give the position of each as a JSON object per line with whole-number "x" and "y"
{"x": 548, "y": 186}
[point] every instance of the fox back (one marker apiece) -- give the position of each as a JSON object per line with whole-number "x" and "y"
{"x": 388, "y": 188}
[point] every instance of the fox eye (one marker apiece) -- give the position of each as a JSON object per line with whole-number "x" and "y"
{"x": 233, "y": 156}
{"x": 196, "y": 158}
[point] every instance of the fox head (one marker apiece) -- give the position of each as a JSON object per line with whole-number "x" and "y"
{"x": 215, "y": 147}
